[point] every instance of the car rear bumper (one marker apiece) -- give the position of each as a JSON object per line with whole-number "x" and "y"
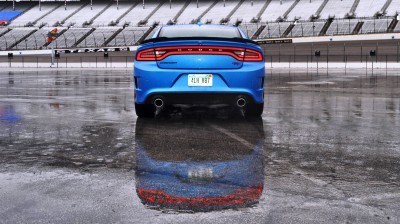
{"x": 228, "y": 84}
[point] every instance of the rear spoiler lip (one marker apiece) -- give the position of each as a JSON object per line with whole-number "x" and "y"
{"x": 163, "y": 39}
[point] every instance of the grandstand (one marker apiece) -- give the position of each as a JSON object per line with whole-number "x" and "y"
{"x": 111, "y": 23}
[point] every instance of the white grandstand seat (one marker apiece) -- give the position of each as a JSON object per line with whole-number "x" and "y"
{"x": 272, "y": 30}
{"x": 250, "y": 28}
{"x": 304, "y": 9}
{"x": 192, "y": 12}
{"x": 69, "y": 38}
{"x": 336, "y": 8}
{"x": 34, "y": 14}
{"x": 112, "y": 14}
{"x": 368, "y": 8}
{"x": 128, "y": 36}
{"x": 138, "y": 13}
{"x": 342, "y": 27}
{"x": 393, "y": 8}
{"x": 246, "y": 12}
{"x": 304, "y": 29}
{"x": 397, "y": 28}
{"x": 85, "y": 14}
{"x": 98, "y": 37}
{"x": 375, "y": 26}
{"x": 19, "y": 6}
{"x": 59, "y": 14}
{"x": 15, "y": 35}
{"x": 165, "y": 13}
{"x": 276, "y": 10}
{"x": 36, "y": 40}
{"x": 219, "y": 11}
{"x": 3, "y": 30}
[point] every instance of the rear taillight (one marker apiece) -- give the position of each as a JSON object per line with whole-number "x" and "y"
{"x": 240, "y": 54}
{"x": 146, "y": 55}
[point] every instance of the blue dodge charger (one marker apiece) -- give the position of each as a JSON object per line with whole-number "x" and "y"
{"x": 199, "y": 65}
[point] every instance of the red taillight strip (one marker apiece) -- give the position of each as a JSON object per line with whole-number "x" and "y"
{"x": 237, "y": 197}
{"x": 240, "y": 54}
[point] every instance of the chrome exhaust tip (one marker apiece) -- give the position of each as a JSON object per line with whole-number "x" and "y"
{"x": 158, "y": 103}
{"x": 241, "y": 102}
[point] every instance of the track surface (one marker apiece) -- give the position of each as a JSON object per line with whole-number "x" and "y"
{"x": 72, "y": 150}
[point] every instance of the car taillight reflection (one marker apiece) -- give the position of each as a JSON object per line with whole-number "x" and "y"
{"x": 241, "y": 197}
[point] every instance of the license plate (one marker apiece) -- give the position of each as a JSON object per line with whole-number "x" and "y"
{"x": 201, "y": 173}
{"x": 200, "y": 80}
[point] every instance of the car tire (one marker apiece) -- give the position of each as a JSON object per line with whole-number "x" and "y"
{"x": 144, "y": 110}
{"x": 255, "y": 110}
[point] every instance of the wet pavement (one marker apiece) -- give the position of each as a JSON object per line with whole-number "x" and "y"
{"x": 72, "y": 150}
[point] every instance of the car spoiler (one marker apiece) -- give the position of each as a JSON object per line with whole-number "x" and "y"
{"x": 162, "y": 39}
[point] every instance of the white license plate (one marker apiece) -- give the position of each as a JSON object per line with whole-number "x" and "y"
{"x": 200, "y": 80}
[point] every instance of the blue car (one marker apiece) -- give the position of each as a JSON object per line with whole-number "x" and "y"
{"x": 199, "y": 65}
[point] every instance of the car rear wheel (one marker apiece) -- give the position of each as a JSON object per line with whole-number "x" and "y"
{"x": 255, "y": 110}
{"x": 144, "y": 110}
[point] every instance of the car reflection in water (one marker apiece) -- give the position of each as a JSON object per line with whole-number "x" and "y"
{"x": 194, "y": 165}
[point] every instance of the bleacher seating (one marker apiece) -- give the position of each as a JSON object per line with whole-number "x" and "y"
{"x": 3, "y": 30}
{"x": 59, "y": 14}
{"x": 276, "y": 10}
{"x": 342, "y": 27}
{"x": 35, "y": 13}
{"x": 104, "y": 23}
{"x": 98, "y": 37}
{"x": 15, "y": 35}
{"x": 19, "y": 6}
{"x": 128, "y": 36}
{"x": 367, "y": 7}
{"x": 375, "y": 26}
{"x": 394, "y": 8}
{"x": 250, "y": 28}
{"x": 246, "y": 12}
{"x": 301, "y": 29}
{"x": 304, "y": 9}
{"x": 36, "y": 40}
{"x": 69, "y": 38}
{"x": 274, "y": 30}
{"x": 111, "y": 14}
{"x": 192, "y": 12}
{"x": 336, "y": 8}
{"x": 397, "y": 28}
{"x": 84, "y": 15}
{"x": 165, "y": 14}
{"x": 219, "y": 11}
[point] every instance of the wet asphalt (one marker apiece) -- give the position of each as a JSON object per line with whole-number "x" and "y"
{"x": 72, "y": 150}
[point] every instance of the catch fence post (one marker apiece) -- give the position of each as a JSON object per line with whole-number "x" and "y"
{"x": 386, "y": 64}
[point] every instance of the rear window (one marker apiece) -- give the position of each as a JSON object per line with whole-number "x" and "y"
{"x": 199, "y": 31}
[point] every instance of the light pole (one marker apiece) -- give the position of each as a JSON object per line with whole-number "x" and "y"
{"x": 117, "y": 5}
{"x": 170, "y": 4}
{"x": 197, "y": 3}
{"x": 65, "y": 4}
{"x": 91, "y": 4}
{"x": 40, "y": 6}
{"x": 143, "y": 4}
{"x": 13, "y": 5}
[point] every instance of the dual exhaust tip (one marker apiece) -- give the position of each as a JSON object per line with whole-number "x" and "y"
{"x": 159, "y": 103}
{"x": 241, "y": 102}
